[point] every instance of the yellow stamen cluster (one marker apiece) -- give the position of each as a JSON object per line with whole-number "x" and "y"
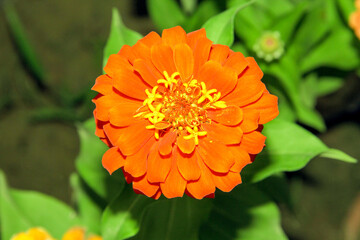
{"x": 180, "y": 106}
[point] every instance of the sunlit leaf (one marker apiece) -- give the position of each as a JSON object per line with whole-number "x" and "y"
{"x": 119, "y": 36}
{"x": 121, "y": 219}
{"x": 327, "y": 85}
{"x": 244, "y": 214}
{"x": 89, "y": 206}
{"x": 338, "y": 155}
{"x": 326, "y": 54}
{"x": 173, "y": 219}
{"x": 165, "y": 13}
{"x": 220, "y": 28}
{"x": 89, "y": 167}
{"x": 21, "y": 210}
{"x": 289, "y": 147}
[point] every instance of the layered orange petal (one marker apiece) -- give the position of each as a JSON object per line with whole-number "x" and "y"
{"x": 187, "y": 146}
{"x": 145, "y": 187}
{"x": 212, "y": 151}
{"x": 204, "y": 186}
{"x": 112, "y": 160}
{"x": 241, "y": 160}
{"x": 201, "y": 52}
{"x": 253, "y": 142}
{"x": 174, "y": 36}
{"x": 184, "y": 61}
{"x": 147, "y": 71}
{"x": 162, "y": 58}
{"x": 103, "y": 85}
{"x": 123, "y": 113}
{"x": 219, "y": 53}
{"x": 237, "y": 61}
{"x": 175, "y": 184}
{"x": 129, "y": 139}
{"x": 158, "y": 165}
{"x": 166, "y": 142}
{"x": 215, "y": 76}
{"x": 188, "y": 165}
{"x": 251, "y": 120}
{"x": 267, "y": 106}
{"x": 224, "y": 134}
{"x": 226, "y": 182}
{"x": 230, "y": 116}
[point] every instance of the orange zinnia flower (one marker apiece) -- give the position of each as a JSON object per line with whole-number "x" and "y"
{"x": 181, "y": 114}
{"x": 354, "y": 22}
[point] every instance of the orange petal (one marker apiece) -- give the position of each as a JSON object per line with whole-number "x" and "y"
{"x": 251, "y": 120}
{"x": 162, "y": 57}
{"x": 226, "y": 135}
{"x": 151, "y": 39}
{"x": 129, "y": 83}
{"x": 242, "y": 158}
{"x": 230, "y": 116}
{"x": 253, "y": 68}
{"x": 226, "y": 182}
{"x": 201, "y": 53}
{"x": 193, "y": 37}
{"x": 99, "y": 126}
{"x": 103, "y": 106}
{"x": 215, "y": 155}
{"x": 127, "y": 52}
{"x": 223, "y": 79}
{"x": 248, "y": 90}
{"x": 237, "y": 61}
{"x": 187, "y": 146}
{"x": 114, "y": 63}
{"x": 147, "y": 71}
{"x": 145, "y": 187}
{"x": 219, "y": 53}
{"x": 129, "y": 139}
{"x": 74, "y": 234}
{"x": 112, "y": 160}
{"x": 204, "y": 186}
{"x": 184, "y": 61}
{"x": 267, "y": 105}
{"x": 174, "y": 36}
{"x": 136, "y": 164}
{"x": 158, "y": 166}
{"x": 165, "y": 143}
{"x": 253, "y": 142}
{"x": 175, "y": 184}
{"x": 188, "y": 165}
{"x": 141, "y": 49}
{"x": 103, "y": 85}
{"x": 123, "y": 114}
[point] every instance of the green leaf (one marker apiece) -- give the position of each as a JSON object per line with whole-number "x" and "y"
{"x": 220, "y": 28}
{"x": 89, "y": 167}
{"x": 121, "y": 219}
{"x": 289, "y": 147}
{"x": 308, "y": 90}
{"x": 286, "y": 24}
{"x": 165, "y": 13}
{"x": 90, "y": 207}
{"x": 338, "y": 155}
{"x": 286, "y": 71}
{"x": 22, "y": 210}
{"x": 119, "y": 36}
{"x": 326, "y": 54}
{"x": 346, "y": 7}
{"x": 203, "y": 12}
{"x": 22, "y": 42}
{"x": 246, "y": 213}
{"x": 327, "y": 85}
{"x": 173, "y": 219}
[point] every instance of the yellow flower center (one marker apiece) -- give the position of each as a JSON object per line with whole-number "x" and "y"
{"x": 180, "y": 106}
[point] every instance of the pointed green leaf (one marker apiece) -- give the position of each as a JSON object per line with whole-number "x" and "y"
{"x": 203, "y": 12}
{"x": 327, "y": 85}
{"x": 89, "y": 206}
{"x": 246, "y": 213}
{"x": 220, "y": 28}
{"x": 327, "y": 55}
{"x": 289, "y": 147}
{"x": 121, "y": 219}
{"x": 173, "y": 219}
{"x": 89, "y": 167}
{"x": 119, "y": 36}
{"x": 22, "y": 210}
{"x": 165, "y": 13}
{"x": 338, "y": 155}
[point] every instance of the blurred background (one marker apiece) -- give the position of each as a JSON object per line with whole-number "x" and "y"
{"x": 41, "y": 104}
